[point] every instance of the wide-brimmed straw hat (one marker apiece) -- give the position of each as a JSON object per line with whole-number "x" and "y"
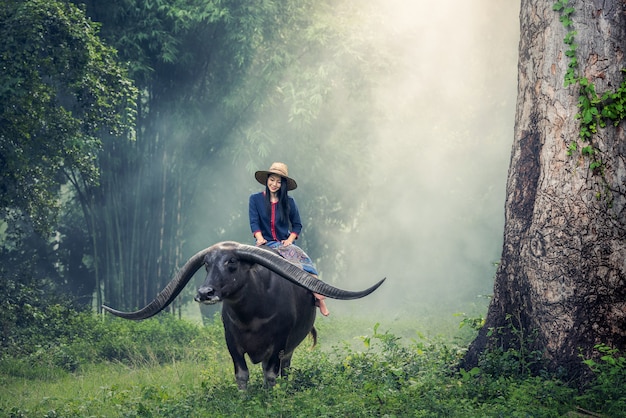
{"x": 276, "y": 168}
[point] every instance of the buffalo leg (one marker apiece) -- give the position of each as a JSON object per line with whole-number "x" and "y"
{"x": 271, "y": 369}
{"x": 241, "y": 368}
{"x": 270, "y": 372}
{"x": 277, "y": 365}
{"x": 241, "y": 371}
{"x": 285, "y": 362}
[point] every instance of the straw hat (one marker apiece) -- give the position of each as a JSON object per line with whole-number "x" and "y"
{"x": 276, "y": 168}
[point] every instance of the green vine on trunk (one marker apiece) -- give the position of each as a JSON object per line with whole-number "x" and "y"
{"x": 595, "y": 111}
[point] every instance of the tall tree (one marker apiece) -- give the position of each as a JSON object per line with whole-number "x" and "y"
{"x": 220, "y": 82}
{"x": 185, "y": 56}
{"x": 560, "y": 288}
{"x": 61, "y": 88}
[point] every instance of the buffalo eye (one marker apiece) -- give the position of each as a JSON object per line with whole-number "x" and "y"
{"x": 232, "y": 264}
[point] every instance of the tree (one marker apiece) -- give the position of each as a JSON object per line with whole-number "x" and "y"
{"x": 222, "y": 84}
{"x": 61, "y": 88}
{"x": 187, "y": 57}
{"x": 560, "y": 288}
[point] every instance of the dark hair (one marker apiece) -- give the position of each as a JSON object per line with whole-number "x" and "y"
{"x": 283, "y": 200}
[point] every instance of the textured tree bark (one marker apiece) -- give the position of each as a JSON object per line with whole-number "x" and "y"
{"x": 560, "y": 288}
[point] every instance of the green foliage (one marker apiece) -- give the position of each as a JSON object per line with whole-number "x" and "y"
{"x": 517, "y": 355}
{"x": 381, "y": 375}
{"x": 219, "y": 82}
{"x": 606, "y": 392}
{"x": 566, "y": 12}
{"x": 595, "y": 111}
{"x": 60, "y": 87}
{"x": 30, "y": 315}
{"x": 474, "y": 323}
{"x": 43, "y": 335}
{"x": 226, "y": 87}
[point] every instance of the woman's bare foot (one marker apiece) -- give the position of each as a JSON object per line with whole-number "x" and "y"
{"x": 322, "y": 305}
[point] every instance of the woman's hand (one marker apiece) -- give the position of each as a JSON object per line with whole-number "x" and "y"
{"x": 261, "y": 241}
{"x": 292, "y": 237}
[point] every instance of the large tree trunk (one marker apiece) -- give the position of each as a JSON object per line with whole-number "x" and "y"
{"x": 560, "y": 288}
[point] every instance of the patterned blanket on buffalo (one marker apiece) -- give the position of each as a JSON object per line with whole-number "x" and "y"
{"x": 295, "y": 255}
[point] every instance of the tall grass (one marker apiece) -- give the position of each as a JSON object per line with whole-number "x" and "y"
{"x": 361, "y": 367}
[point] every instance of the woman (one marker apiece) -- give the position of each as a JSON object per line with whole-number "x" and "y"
{"x": 275, "y": 220}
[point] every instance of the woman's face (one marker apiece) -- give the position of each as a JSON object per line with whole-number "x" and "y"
{"x": 273, "y": 183}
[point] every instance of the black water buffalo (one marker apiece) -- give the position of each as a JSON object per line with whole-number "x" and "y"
{"x": 268, "y": 305}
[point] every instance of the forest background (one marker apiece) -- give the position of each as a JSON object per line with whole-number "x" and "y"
{"x": 395, "y": 119}
{"x": 129, "y": 134}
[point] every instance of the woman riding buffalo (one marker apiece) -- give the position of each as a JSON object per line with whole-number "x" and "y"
{"x": 275, "y": 220}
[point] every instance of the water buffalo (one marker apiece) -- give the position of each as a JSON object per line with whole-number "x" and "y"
{"x": 268, "y": 304}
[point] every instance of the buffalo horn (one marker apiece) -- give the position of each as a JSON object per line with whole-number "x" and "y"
{"x": 167, "y": 295}
{"x": 293, "y": 273}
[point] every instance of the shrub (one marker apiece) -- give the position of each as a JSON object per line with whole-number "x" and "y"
{"x": 606, "y": 391}
{"x": 49, "y": 333}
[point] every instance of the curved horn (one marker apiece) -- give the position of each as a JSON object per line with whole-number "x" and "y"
{"x": 296, "y": 275}
{"x": 169, "y": 293}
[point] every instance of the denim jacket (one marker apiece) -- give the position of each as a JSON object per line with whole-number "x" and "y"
{"x": 270, "y": 224}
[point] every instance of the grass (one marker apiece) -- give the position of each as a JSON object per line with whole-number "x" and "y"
{"x": 362, "y": 366}
{"x": 105, "y": 390}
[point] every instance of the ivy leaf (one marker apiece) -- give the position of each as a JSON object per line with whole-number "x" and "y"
{"x": 569, "y": 38}
{"x": 583, "y": 102}
{"x": 588, "y": 150}
{"x": 568, "y": 11}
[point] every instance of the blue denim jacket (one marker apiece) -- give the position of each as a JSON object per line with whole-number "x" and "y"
{"x": 270, "y": 224}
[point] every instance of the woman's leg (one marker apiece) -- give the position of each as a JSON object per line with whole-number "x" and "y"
{"x": 296, "y": 255}
{"x": 320, "y": 302}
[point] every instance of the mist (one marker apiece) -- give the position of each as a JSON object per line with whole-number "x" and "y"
{"x": 432, "y": 218}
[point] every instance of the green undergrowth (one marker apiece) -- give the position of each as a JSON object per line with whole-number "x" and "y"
{"x": 361, "y": 366}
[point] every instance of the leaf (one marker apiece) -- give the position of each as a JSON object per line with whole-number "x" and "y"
{"x": 588, "y": 150}
{"x": 589, "y": 362}
{"x": 573, "y": 146}
{"x": 569, "y": 38}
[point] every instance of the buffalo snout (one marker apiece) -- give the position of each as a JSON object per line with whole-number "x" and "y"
{"x": 206, "y": 295}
